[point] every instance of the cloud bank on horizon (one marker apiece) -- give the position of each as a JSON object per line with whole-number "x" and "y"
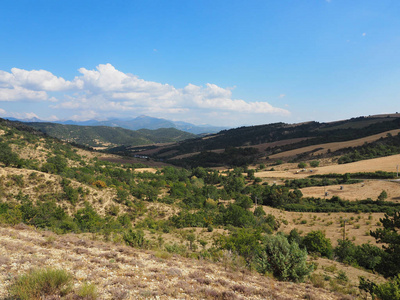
{"x": 106, "y": 92}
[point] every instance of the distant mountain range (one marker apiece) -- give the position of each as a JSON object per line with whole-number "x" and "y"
{"x": 141, "y": 122}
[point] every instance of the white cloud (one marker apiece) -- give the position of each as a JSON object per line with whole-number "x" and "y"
{"x": 2, "y": 112}
{"x": 37, "y": 80}
{"x": 106, "y": 89}
{"x": 18, "y": 93}
{"x": 282, "y": 96}
{"x": 364, "y": 34}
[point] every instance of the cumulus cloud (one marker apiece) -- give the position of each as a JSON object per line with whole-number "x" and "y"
{"x": 106, "y": 89}
{"x": 19, "y": 93}
{"x": 37, "y": 80}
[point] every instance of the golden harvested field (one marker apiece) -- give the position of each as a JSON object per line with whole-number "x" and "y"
{"x": 388, "y": 164}
{"x": 370, "y": 189}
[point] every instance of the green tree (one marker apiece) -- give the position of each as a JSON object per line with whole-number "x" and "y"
{"x": 88, "y": 219}
{"x": 382, "y": 196}
{"x": 314, "y": 163}
{"x": 346, "y": 251}
{"x": 7, "y": 156}
{"x": 245, "y": 242}
{"x": 317, "y": 242}
{"x": 390, "y": 237}
{"x": 286, "y": 261}
{"x": 389, "y": 290}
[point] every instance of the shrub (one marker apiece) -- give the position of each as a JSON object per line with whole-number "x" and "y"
{"x": 87, "y": 291}
{"x": 135, "y": 238}
{"x": 41, "y": 283}
{"x": 314, "y": 163}
{"x": 342, "y": 276}
{"x": 286, "y": 261}
{"x": 245, "y": 242}
{"x": 302, "y": 165}
{"x": 100, "y": 184}
{"x": 315, "y": 241}
{"x": 389, "y": 290}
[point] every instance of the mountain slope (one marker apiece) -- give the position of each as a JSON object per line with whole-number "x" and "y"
{"x": 102, "y": 136}
{"x": 271, "y": 139}
{"x": 146, "y": 122}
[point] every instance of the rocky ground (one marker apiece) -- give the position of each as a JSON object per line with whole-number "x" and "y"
{"x": 122, "y": 272}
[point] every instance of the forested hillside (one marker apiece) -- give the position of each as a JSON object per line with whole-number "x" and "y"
{"x": 243, "y": 146}
{"x": 102, "y": 136}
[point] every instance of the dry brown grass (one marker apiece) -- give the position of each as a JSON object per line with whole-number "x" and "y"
{"x": 357, "y": 225}
{"x": 367, "y": 189}
{"x": 140, "y": 274}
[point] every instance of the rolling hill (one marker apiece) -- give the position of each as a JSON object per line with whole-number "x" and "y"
{"x": 247, "y": 145}
{"x": 106, "y": 137}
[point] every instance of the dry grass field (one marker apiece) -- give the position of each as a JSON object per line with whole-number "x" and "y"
{"x": 358, "y": 225}
{"x": 367, "y": 189}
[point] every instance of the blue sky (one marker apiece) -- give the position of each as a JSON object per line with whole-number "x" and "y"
{"x": 219, "y": 62}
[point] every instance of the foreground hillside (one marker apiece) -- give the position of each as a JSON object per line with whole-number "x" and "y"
{"x": 123, "y": 272}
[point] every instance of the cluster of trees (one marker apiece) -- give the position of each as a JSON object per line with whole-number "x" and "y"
{"x": 358, "y": 175}
{"x": 389, "y": 145}
{"x": 386, "y": 260}
{"x": 233, "y": 157}
{"x": 47, "y": 214}
{"x": 307, "y": 182}
{"x": 335, "y": 204}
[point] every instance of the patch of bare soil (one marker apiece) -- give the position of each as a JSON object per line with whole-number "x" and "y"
{"x": 122, "y": 272}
